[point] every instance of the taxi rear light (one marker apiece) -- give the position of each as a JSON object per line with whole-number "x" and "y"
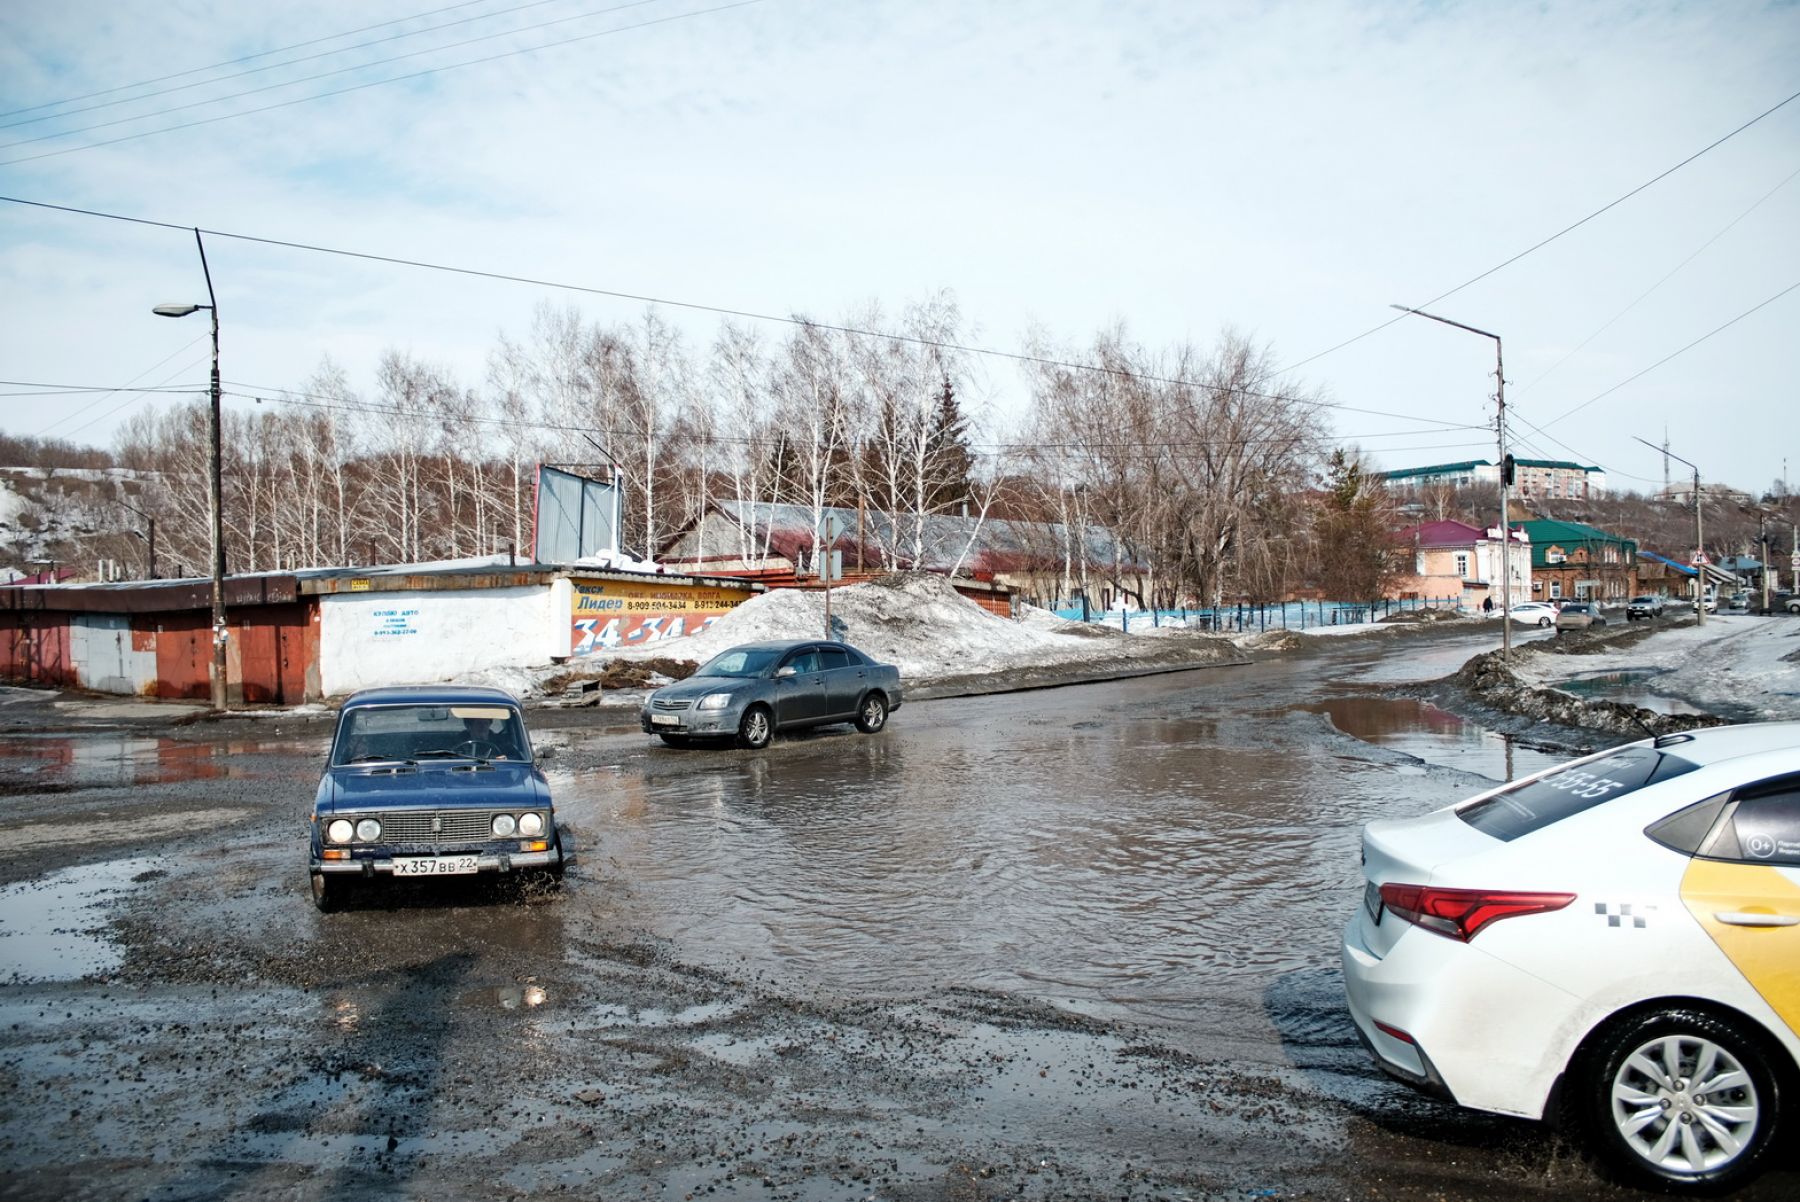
{"x": 1461, "y": 913}
{"x": 1396, "y": 1033}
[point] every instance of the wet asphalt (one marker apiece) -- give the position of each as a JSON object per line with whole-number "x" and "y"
{"x": 1071, "y": 943}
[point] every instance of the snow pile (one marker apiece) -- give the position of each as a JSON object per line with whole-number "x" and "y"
{"x": 915, "y": 621}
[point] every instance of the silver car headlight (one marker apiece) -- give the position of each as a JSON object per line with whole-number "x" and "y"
{"x": 340, "y": 831}
{"x": 714, "y": 701}
{"x": 504, "y": 825}
{"x": 368, "y": 830}
{"x": 531, "y": 824}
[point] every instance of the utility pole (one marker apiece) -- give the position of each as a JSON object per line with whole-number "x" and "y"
{"x": 215, "y": 493}
{"x": 1505, "y": 476}
{"x": 1699, "y": 534}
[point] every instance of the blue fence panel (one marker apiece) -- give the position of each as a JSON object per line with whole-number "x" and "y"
{"x": 1293, "y": 615}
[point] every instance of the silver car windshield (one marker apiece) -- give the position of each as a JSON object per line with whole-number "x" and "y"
{"x": 740, "y": 661}
{"x": 374, "y": 734}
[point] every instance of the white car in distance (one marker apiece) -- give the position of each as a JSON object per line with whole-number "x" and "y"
{"x": 1534, "y": 613}
{"x": 1615, "y": 941}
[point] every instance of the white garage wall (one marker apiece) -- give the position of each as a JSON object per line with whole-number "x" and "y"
{"x": 370, "y": 639}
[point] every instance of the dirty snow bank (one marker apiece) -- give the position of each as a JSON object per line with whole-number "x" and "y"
{"x": 920, "y": 624}
{"x": 1734, "y": 669}
{"x": 1735, "y": 663}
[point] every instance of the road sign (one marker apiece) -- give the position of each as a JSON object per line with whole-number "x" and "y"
{"x": 1700, "y": 559}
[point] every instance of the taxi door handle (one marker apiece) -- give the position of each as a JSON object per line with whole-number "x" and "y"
{"x": 1739, "y": 918}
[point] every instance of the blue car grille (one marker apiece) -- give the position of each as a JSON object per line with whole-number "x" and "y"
{"x": 665, "y": 703}
{"x": 437, "y": 826}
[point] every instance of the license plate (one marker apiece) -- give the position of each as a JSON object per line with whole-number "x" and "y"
{"x": 1372, "y": 899}
{"x": 436, "y": 866}
{"x": 664, "y": 720}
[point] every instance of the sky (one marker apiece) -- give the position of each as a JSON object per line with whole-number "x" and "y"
{"x": 1283, "y": 171}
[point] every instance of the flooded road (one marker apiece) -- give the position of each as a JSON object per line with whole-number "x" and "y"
{"x": 1055, "y": 944}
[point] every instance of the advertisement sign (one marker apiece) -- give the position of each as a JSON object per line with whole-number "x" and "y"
{"x": 612, "y": 614}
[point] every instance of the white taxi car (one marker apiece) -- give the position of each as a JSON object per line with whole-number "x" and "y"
{"x": 1615, "y": 940}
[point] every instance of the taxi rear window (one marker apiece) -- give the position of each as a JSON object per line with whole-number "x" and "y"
{"x": 1549, "y": 799}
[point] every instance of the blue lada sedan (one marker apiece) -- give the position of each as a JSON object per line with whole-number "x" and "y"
{"x": 434, "y": 781}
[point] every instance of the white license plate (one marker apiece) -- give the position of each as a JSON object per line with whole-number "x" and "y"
{"x": 664, "y": 720}
{"x": 1372, "y": 899}
{"x": 436, "y": 866}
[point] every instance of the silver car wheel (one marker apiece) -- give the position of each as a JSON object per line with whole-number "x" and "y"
{"x": 874, "y": 714}
{"x": 1685, "y": 1104}
{"x": 756, "y": 730}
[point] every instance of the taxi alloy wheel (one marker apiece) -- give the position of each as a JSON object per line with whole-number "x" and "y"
{"x": 755, "y": 730}
{"x": 1683, "y": 1098}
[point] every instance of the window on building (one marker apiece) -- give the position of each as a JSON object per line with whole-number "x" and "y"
{"x": 1462, "y": 565}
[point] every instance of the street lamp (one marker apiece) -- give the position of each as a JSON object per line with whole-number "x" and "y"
{"x": 1505, "y": 474}
{"x": 214, "y": 497}
{"x": 149, "y": 541}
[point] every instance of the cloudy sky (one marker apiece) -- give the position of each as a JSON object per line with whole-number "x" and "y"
{"x": 1284, "y": 170}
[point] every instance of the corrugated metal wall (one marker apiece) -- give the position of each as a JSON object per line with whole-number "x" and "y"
{"x": 271, "y": 655}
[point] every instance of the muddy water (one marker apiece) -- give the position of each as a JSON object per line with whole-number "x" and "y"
{"x": 1143, "y": 849}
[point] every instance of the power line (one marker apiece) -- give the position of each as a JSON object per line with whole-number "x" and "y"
{"x": 232, "y": 62}
{"x": 289, "y": 83}
{"x": 202, "y": 83}
{"x": 474, "y": 62}
{"x": 1552, "y": 238}
{"x": 1674, "y": 354}
{"x": 1732, "y": 224}
{"x": 104, "y": 393}
{"x": 79, "y": 389}
{"x": 723, "y": 311}
{"x": 311, "y": 400}
{"x": 127, "y": 403}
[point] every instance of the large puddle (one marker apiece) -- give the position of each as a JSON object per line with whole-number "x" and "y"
{"x": 1163, "y": 866}
{"x": 54, "y": 928}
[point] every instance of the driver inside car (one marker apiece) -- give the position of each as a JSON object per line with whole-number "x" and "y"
{"x": 487, "y": 738}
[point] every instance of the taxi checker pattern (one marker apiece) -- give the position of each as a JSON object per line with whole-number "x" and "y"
{"x": 1621, "y": 933}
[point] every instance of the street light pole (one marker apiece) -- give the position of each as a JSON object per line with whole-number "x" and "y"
{"x": 149, "y": 541}
{"x": 1699, "y": 536}
{"x": 215, "y": 491}
{"x": 1505, "y": 483}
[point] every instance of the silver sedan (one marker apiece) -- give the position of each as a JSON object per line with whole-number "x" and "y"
{"x": 749, "y": 692}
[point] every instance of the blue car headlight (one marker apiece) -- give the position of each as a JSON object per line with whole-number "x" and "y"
{"x": 714, "y": 701}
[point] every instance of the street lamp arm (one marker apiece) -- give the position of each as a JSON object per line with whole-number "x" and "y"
{"x": 1434, "y": 317}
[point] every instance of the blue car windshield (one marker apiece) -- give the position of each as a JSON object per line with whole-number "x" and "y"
{"x": 373, "y": 734}
{"x": 740, "y": 661}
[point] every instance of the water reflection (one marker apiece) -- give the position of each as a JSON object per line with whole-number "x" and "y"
{"x": 1434, "y": 736}
{"x": 55, "y": 928}
{"x": 35, "y": 764}
{"x": 1633, "y": 687}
